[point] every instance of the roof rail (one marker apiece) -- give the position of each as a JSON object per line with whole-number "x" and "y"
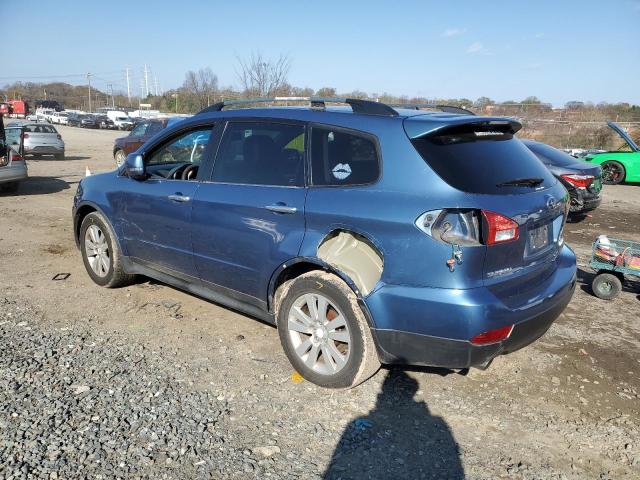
{"x": 442, "y": 108}
{"x": 366, "y": 107}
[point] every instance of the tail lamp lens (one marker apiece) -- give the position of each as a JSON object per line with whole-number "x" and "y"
{"x": 580, "y": 181}
{"x": 492, "y": 336}
{"x": 15, "y": 157}
{"x": 25, "y": 135}
{"x": 501, "y": 229}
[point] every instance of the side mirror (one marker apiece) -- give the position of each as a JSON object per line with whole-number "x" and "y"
{"x": 134, "y": 166}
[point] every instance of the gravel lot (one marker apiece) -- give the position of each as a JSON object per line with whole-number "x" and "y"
{"x": 150, "y": 382}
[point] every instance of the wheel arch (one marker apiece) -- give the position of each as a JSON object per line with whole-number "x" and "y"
{"x": 81, "y": 212}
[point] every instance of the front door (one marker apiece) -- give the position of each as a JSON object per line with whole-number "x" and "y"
{"x": 155, "y": 213}
{"x": 250, "y": 218}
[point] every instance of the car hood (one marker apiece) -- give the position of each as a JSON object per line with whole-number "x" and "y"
{"x": 625, "y": 136}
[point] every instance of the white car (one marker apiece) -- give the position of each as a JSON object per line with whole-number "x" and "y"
{"x": 61, "y": 118}
{"x": 123, "y": 123}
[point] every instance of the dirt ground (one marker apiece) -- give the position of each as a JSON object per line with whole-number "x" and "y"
{"x": 566, "y": 407}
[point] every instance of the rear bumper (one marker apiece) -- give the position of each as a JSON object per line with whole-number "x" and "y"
{"x": 583, "y": 201}
{"x": 432, "y": 327}
{"x": 43, "y": 150}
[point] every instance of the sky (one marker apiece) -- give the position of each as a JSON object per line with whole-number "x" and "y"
{"x": 557, "y": 50}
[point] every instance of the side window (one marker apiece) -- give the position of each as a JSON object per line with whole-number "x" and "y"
{"x": 153, "y": 128}
{"x": 139, "y": 130}
{"x": 261, "y": 153}
{"x": 342, "y": 158}
{"x": 187, "y": 148}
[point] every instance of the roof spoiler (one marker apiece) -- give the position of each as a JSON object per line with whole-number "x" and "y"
{"x": 366, "y": 107}
{"x": 419, "y": 127}
{"x": 442, "y": 108}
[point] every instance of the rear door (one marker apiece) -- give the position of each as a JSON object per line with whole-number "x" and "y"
{"x": 249, "y": 219}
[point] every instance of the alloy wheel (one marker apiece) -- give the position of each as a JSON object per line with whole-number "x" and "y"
{"x": 97, "y": 250}
{"x": 319, "y": 333}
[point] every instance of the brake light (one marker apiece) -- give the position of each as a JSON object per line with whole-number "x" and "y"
{"x": 16, "y": 157}
{"x": 59, "y": 137}
{"x": 25, "y": 135}
{"x": 580, "y": 181}
{"x": 500, "y": 229}
{"x": 492, "y": 336}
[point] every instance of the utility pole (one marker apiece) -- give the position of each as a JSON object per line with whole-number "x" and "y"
{"x": 89, "y": 79}
{"x": 146, "y": 79}
{"x": 128, "y": 89}
{"x": 155, "y": 77}
{"x": 141, "y": 90}
{"x": 110, "y": 85}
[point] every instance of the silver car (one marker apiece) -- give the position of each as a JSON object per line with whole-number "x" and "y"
{"x": 13, "y": 169}
{"x": 40, "y": 139}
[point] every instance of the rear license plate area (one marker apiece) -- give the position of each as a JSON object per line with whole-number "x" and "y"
{"x": 539, "y": 238}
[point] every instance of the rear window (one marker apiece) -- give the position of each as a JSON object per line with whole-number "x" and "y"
{"x": 482, "y": 159}
{"x": 40, "y": 129}
{"x": 339, "y": 157}
{"x": 551, "y": 155}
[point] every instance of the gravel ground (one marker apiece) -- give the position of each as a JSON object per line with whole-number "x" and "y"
{"x": 150, "y": 382}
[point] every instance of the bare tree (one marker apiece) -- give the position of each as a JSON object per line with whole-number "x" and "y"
{"x": 263, "y": 77}
{"x": 201, "y": 86}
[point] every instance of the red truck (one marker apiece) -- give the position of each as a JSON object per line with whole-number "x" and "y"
{"x": 14, "y": 108}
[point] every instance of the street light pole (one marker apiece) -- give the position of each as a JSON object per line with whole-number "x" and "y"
{"x": 89, "y": 79}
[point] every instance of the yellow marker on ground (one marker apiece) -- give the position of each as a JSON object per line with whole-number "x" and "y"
{"x": 296, "y": 377}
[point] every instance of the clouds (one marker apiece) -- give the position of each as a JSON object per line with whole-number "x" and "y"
{"x": 477, "y": 48}
{"x": 453, "y": 32}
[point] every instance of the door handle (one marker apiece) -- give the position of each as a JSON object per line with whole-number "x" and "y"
{"x": 179, "y": 198}
{"x": 281, "y": 209}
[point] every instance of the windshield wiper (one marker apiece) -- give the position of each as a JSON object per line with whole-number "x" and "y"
{"x": 522, "y": 182}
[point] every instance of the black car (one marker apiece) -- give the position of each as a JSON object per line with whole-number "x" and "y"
{"x": 73, "y": 119}
{"x": 582, "y": 180}
{"x": 89, "y": 121}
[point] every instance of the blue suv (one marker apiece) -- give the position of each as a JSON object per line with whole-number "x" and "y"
{"x": 367, "y": 234}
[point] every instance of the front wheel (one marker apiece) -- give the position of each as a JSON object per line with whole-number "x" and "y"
{"x": 606, "y": 286}
{"x": 100, "y": 252}
{"x": 120, "y": 157}
{"x": 613, "y": 172}
{"x": 324, "y": 332}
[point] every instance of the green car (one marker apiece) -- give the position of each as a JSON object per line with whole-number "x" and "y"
{"x": 619, "y": 166}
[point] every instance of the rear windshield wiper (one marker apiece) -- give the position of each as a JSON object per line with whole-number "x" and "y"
{"x": 522, "y": 182}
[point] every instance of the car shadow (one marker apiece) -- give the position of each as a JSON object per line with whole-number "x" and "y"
{"x": 39, "y": 186}
{"x": 51, "y": 158}
{"x": 399, "y": 438}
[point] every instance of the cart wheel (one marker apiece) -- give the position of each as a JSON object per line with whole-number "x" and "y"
{"x": 606, "y": 286}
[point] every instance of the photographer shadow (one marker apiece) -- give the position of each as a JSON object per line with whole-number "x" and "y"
{"x": 398, "y": 439}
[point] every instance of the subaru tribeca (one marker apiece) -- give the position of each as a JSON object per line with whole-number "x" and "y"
{"x": 366, "y": 234}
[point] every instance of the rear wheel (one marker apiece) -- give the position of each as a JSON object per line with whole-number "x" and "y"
{"x": 606, "y": 286}
{"x": 324, "y": 332}
{"x": 59, "y": 156}
{"x": 100, "y": 252}
{"x": 120, "y": 157}
{"x": 613, "y": 172}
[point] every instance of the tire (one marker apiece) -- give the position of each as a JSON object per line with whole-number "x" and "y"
{"x": 95, "y": 230}
{"x": 351, "y": 353}
{"x": 606, "y": 286}
{"x": 59, "y": 156}
{"x": 613, "y": 172}
{"x": 119, "y": 157}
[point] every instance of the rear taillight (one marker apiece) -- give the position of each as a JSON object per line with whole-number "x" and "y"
{"x": 500, "y": 229}
{"x": 59, "y": 137}
{"x": 16, "y": 157}
{"x": 25, "y": 135}
{"x": 492, "y": 336}
{"x": 580, "y": 181}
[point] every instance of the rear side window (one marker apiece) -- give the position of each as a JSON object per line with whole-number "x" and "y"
{"x": 483, "y": 159}
{"x": 154, "y": 127}
{"x": 551, "y": 155}
{"x": 261, "y": 153}
{"x": 339, "y": 157}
